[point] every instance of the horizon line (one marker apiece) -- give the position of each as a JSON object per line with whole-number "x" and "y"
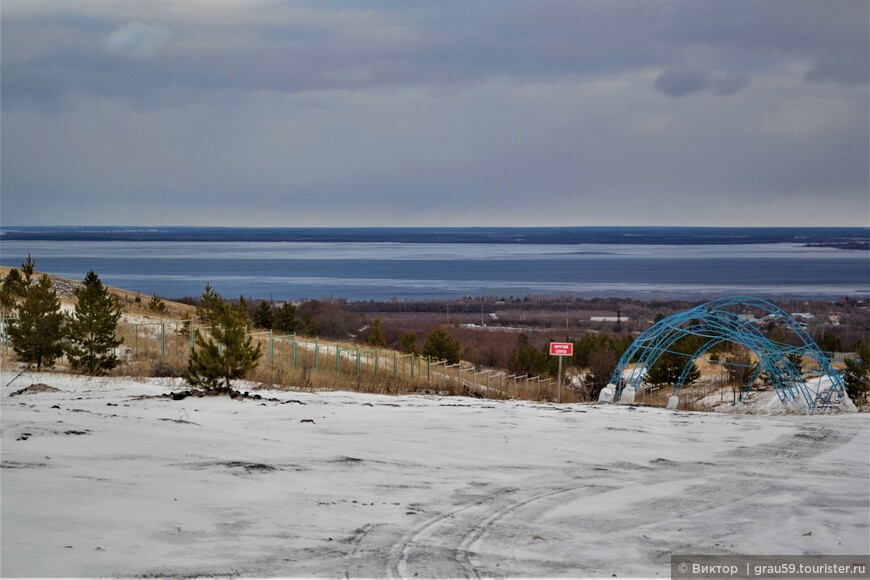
{"x": 420, "y": 227}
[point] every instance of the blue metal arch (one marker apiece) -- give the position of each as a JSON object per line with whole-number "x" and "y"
{"x": 717, "y": 322}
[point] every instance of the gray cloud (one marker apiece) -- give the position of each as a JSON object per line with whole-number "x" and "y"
{"x": 728, "y": 83}
{"x": 294, "y": 47}
{"x": 383, "y": 112}
{"x": 137, "y": 40}
{"x": 681, "y": 80}
{"x": 848, "y": 69}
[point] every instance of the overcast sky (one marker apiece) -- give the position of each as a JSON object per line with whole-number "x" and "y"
{"x": 398, "y": 112}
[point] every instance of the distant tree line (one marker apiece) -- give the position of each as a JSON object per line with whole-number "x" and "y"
{"x": 472, "y": 304}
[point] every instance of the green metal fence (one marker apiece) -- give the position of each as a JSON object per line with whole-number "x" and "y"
{"x": 173, "y": 340}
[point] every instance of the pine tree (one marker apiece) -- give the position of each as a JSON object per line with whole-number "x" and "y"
{"x": 91, "y": 329}
{"x": 285, "y": 318}
{"x": 409, "y": 342}
{"x": 242, "y": 307}
{"x": 440, "y": 345}
{"x": 264, "y": 315}
{"x": 228, "y": 354}
{"x": 308, "y": 326}
{"x": 12, "y": 291}
{"x": 376, "y": 338}
{"x": 15, "y": 285}
{"x": 184, "y": 329}
{"x": 797, "y": 361}
{"x": 857, "y": 374}
{"x": 36, "y": 335}
{"x": 27, "y": 268}
{"x": 669, "y": 367}
{"x": 740, "y": 366}
{"x": 829, "y": 342}
{"x": 156, "y": 304}
{"x": 525, "y": 359}
{"x": 210, "y": 307}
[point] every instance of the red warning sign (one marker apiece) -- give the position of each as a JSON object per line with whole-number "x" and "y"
{"x": 561, "y": 349}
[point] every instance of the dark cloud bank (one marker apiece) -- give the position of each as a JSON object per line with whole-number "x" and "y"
{"x": 448, "y": 113}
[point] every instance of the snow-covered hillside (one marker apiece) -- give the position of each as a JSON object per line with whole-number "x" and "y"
{"x": 104, "y": 478}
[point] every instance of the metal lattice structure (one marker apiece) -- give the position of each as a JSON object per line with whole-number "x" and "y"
{"x": 717, "y": 322}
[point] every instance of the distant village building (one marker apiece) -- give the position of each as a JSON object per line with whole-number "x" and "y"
{"x": 834, "y": 318}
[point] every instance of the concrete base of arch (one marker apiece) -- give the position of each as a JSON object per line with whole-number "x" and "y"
{"x": 607, "y": 393}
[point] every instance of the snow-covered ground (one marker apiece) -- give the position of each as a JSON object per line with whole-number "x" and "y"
{"x": 97, "y": 481}
{"x": 768, "y": 402}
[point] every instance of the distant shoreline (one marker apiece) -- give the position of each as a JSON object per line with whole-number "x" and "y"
{"x": 854, "y": 245}
{"x": 840, "y": 237}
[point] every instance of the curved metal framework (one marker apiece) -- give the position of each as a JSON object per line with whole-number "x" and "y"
{"x": 716, "y": 322}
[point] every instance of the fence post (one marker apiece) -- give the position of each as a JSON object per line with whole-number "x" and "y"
{"x": 337, "y": 358}
{"x": 5, "y": 334}
{"x": 293, "y": 350}
{"x": 412, "y": 365}
{"x": 316, "y": 353}
{"x": 357, "y": 362}
{"x": 376, "y": 362}
{"x": 162, "y": 340}
{"x": 271, "y": 350}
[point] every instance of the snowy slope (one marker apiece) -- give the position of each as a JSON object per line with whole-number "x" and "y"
{"x": 110, "y": 484}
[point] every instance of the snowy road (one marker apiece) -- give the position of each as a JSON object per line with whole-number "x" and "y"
{"x": 98, "y": 482}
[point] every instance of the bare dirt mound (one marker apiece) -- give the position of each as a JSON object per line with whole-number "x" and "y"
{"x": 36, "y": 388}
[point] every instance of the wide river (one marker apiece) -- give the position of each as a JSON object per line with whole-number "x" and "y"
{"x": 406, "y": 271}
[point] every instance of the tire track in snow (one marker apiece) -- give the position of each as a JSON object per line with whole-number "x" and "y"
{"x": 465, "y": 549}
{"x": 728, "y": 482}
{"x": 465, "y": 526}
{"x": 515, "y": 520}
{"x": 478, "y": 531}
{"x": 401, "y": 552}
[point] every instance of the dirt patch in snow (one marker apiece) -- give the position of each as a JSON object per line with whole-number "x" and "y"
{"x": 36, "y": 388}
{"x": 236, "y": 467}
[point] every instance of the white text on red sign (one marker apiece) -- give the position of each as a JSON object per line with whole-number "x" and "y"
{"x": 561, "y": 349}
